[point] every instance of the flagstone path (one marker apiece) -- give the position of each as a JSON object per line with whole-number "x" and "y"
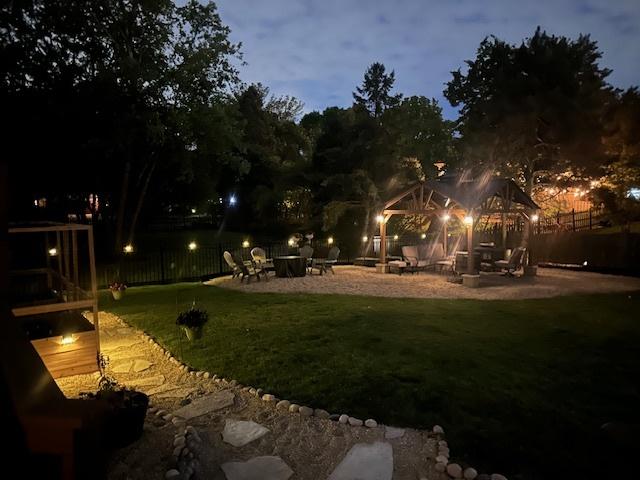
{"x": 234, "y": 435}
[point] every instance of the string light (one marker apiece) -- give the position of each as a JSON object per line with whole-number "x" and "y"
{"x": 330, "y": 240}
{"x": 446, "y": 217}
{"x": 193, "y": 246}
{"x": 535, "y": 217}
{"x": 395, "y": 237}
{"x": 53, "y": 252}
{"x": 379, "y": 218}
{"x": 365, "y": 239}
{"x": 468, "y": 220}
{"x": 128, "y": 248}
{"x": 291, "y": 242}
{"x": 245, "y": 244}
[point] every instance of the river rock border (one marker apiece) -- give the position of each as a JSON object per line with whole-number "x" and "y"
{"x": 187, "y": 442}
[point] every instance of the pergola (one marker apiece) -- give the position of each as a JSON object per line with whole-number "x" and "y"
{"x": 468, "y": 200}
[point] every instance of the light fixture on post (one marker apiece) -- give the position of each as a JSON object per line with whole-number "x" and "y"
{"x": 128, "y": 248}
{"x": 193, "y": 210}
{"x": 379, "y": 218}
{"x": 192, "y": 246}
{"x": 245, "y": 244}
{"x": 330, "y": 240}
{"x": 53, "y": 252}
{"x": 365, "y": 239}
{"x": 291, "y": 242}
{"x": 535, "y": 217}
{"x": 395, "y": 237}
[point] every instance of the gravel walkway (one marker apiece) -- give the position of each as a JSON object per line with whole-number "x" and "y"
{"x": 352, "y": 280}
{"x": 311, "y": 447}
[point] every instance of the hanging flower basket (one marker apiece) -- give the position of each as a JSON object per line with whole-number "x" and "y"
{"x": 117, "y": 290}
{"x": 192, "y": 322}
{"x": 193, "y": 333}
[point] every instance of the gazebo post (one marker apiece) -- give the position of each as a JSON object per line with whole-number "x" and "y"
{"x": 445, "y": 239}
{"x": 470, "y": 265}
{"x": 383, "y": 242}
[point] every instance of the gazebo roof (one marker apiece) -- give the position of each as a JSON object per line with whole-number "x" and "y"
{"x": 471, "y": 194}
{"x": 485, "y": 196}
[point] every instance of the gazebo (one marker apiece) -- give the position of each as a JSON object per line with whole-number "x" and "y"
{"x": 466, "y": 199}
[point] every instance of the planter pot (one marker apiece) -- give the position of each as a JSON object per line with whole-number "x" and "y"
{"x": 126, "y": 417}
{"x": 193, "y": 333}
{"x": 117, "y": 294}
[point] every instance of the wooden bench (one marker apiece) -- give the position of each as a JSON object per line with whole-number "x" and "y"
{"x": 50, "y": 424}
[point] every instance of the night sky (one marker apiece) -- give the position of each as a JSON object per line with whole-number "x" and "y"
{"x": 317, "y": 50}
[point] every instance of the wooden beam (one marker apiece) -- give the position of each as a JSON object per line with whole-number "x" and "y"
{"x": 383, "y": 242}
{"x": 400, "y": 196}
{"x": 67, "y": 227}
{"x": 74, "y": 259}
{"x": 94, "y": 287}
{"x": 408, "y": 212}
{"x": 51, "y": 307}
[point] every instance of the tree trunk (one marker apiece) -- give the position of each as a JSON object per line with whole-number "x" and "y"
{"x": 141, "y": 196}
{"x": 122, "y": 207}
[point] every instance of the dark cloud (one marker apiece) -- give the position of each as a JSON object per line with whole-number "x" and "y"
{"x": 318, "y": 50}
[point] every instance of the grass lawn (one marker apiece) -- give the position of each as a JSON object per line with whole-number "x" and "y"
{"x": 521, "y": 387}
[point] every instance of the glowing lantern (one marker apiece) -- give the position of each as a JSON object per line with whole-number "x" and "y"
{"x": 193, "y": 246}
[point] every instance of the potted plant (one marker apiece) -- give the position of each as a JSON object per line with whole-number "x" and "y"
{"x": 117, "y": 290}
{"x": 126, "y": 408}
{"x": 192, "y": 321}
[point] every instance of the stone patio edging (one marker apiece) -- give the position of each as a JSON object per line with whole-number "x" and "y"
{"x": 186, "y": 444}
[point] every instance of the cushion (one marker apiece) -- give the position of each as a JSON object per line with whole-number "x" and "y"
{"x": 398, "y": 263}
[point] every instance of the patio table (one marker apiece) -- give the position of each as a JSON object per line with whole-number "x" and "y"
{"x": 290, "y": 266}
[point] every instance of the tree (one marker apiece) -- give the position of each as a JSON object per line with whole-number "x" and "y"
{"x": 374, "y": 94}
{"x": 622, "y": 143}
{"x": 112, "y": 88}
{"x": 420, "y": 131}
{"x": 533, "y": 110}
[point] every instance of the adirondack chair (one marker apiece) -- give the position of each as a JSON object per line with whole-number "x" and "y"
{"x": 514, "y": 263}
{"x": 260, "y": 257}
{"x": 249, "y": 269}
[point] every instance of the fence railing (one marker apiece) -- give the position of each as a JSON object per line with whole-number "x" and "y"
{"x": 170, "y": 265}
{"x": 562, "y": 222}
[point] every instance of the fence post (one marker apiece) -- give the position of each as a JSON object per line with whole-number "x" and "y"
{"x": 162, "y": 265}
{"x": 220, "y": 259}
{"x": 573, "y": 218}
{"x": 590, "y": 219}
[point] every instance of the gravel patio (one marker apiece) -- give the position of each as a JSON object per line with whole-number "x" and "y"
{"x": 354, "y": 280}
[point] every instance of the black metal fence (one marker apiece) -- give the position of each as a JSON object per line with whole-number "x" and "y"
{"x": 170, "y": 266}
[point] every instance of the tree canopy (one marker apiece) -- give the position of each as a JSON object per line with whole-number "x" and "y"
{"x": 532, "y": 110}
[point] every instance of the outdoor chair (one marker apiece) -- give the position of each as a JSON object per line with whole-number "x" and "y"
{"x": 325, "y": 264}
{"x": 514, "y": 263}
{"x": 260, "y": 257}
{"x": 249, "y": 269}
{"x": 307, "y": 252}
{"x": 421, "y": 257}
{"x": 231, "y": 262}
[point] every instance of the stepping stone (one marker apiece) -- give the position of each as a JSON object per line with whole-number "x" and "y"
{"x": 239, "y": 432}
{"x": 206, "y": 404}
{"x": 366, "y": 461}
{"x": 258, "y": 468}
{"x": 146, "y": 381}
{"x": 162, "y": 388}
{"x": 113, "y": 344}
{"x": 177, "y": 393}
{"x": 122, "y": 367}
{"x": 393, "y": 432}
{"x": 141, "y": 365}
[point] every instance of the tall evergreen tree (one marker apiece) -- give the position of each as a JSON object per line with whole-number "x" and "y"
{"x": 375, "y": 93}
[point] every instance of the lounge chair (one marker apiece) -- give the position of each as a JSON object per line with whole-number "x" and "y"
{"x": 249, "y": 269}
{"x": 307, "y": 252}
{"x": 421, "y": 257}
{"x": 325, "y": 264}
{"x": 231, "y": 262}
{"x": 514, "y": 263}
{"x": 260, "y": 257}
